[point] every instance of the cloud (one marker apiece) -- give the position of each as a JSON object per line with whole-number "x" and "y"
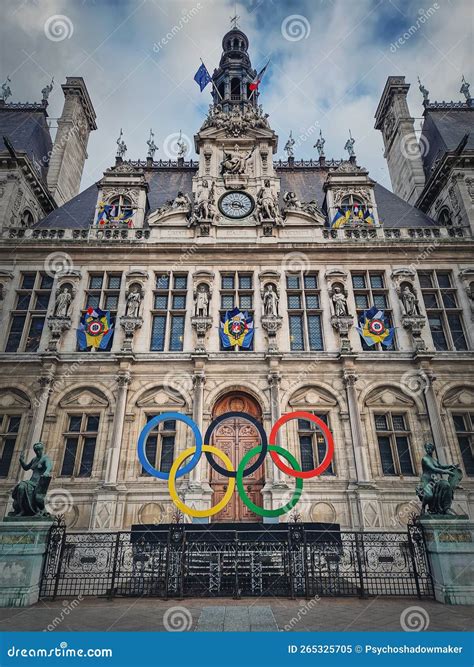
{"x": 330, "y": 78}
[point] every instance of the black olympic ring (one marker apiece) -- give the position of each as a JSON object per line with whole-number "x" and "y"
{"x": 264, "y": 444}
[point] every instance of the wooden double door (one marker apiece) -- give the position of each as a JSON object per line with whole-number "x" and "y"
{"x": 236, "y": 436}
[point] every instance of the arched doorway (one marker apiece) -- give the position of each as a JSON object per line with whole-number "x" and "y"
{"x": 235, "y": 437}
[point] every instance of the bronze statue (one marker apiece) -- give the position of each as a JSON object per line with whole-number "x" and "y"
{"x": 437, "y": 494}
{"x": 29, "y": 495}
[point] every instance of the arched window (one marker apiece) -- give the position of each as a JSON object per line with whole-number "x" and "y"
{"x": 235, "y": 88}
{"x": 353, "y": 204}
{"x": 26, "y": 219}
{"x": 445, "y": 218}
{"x": 121, "y": 212}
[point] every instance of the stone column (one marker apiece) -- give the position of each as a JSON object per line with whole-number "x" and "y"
{"x": 427, "y": 379}
{"x": 39, "y": 413}
{"x": 113, "y": 453}
{"x": 274, "y": 379}
{"x": 360, "y": 454}
{"x": 199, "y": 380}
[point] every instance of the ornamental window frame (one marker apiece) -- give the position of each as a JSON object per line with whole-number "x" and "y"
{"x": 160, "y": 433}
{"x": 80, "y": 435}
{"x": 303, "y": 311}
{"x": 314, "y": 433}
{"x": 371, "y": 293}
{"x": 241, "y": 292}
{"x": 170, "y": 309}
{"x": 9, "y": 439}
{"x": 392, "y": 433}
{"x": 35, "y": 289}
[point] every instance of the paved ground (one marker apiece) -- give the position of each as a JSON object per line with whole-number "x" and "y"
{"x": 226, "y": 615}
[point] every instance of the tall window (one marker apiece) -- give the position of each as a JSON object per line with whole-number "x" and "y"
{"x": 159, "y": 446}
{"x": 29, "y": 312}
{"x": 79, "y": 445}
{"x": 352, "y": 204}
{"x": 9, "y": 427}
{"x": 169, "y": 312}
{"x": 444, "y": 314}
{"x": 369, "y": 290}
{"x": 304, "y": 312}
{"x": 104, "y": 292}
{"x": 236, "y": 292}
{"x": 464, "y": 426}
{"x": 393, "y": 439}
{"x": 313, "y": 444}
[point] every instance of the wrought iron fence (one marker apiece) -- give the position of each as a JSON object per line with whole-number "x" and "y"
{"x": 293, "y": 560}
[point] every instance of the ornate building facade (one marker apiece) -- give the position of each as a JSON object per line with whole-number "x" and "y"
{"x": 237, "y": 228}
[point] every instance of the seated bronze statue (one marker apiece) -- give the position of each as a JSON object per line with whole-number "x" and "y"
{"x": 29, "y": 495}
{"x": 437, "y": 494}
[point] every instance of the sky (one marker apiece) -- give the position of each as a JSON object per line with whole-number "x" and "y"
{"x": 329, "y": 60}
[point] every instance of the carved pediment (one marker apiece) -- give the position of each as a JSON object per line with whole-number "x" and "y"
{"x": 460, "y": 397}
{"x": 312, "y": 397}
{"x": 163, "y": 397}
{"x": 13, "y": 399}
{"x": 387, "y": 397}
{"x": 84, "y": 398}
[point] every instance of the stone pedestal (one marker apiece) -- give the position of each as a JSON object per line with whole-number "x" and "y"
{"x": 22, "y": 552}
{"x": 450, "y": 546}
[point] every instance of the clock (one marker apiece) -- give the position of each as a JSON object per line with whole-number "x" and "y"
{"x": 236, "y": 204}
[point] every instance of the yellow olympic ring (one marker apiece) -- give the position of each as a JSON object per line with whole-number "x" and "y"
{"x": 172, "y": 488}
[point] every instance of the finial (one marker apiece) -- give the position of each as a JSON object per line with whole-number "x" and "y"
{"x": 465, "y": 88}
{"x": 349, "y": 146}
{"x": 289, "y": 145}
{"x": 47, "y": 89}
{"x": 320, "y": 144}
{"x": 6, "y": 90}
{"x": 423, "y": 91}
{"x": 122, "y": 148}
{"x": 152, "y": 147}
{"x": 234, "y": 19}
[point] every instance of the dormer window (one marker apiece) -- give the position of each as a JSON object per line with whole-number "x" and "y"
{"x": 353, "y": 204}
{"x": 118, "y": 212}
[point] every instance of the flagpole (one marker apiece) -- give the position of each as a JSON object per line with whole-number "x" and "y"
{"x": 212, "y": 80}
{"x": 265, "y": 68}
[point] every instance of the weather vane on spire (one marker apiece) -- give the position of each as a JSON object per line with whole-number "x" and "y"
{"x": 235, "y": 18}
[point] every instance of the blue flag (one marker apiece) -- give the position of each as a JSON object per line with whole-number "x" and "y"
{"x": 202, "y": 77}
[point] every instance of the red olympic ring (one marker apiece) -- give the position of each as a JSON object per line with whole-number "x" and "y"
{"x": 327, "y": 436}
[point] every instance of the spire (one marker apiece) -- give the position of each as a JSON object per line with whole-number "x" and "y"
{"x": 235, "y": 73}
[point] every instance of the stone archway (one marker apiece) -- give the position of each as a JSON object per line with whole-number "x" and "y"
{"x": 235, "y": 437}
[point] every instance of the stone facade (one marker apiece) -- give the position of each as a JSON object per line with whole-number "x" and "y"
{"x": 90, "y": 406}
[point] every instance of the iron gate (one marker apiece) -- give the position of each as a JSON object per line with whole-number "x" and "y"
{"x": 183, "y": 561}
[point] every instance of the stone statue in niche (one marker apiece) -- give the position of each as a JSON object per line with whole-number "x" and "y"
{"x": 270, "y": 301}
{"x": 234, "y": 162}
{"x": 29, "y": 495}
{"x": 63, "y": 303}
{"x": 134, "y": 299}
{"x": 340, "y": 302}
{"x": 201, "y": 298}
{"x": 409, "y": 302}
{"x": 267, "y": 205}
{"x": 204, "y": 208}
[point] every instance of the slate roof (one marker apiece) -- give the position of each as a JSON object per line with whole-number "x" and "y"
{"x": 443, "y": 130}
{"x": 307, "y": 183}
{"x": 27, "y": 130}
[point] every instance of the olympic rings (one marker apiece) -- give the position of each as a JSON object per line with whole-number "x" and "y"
{"x": 263, "y": 437}
{"x": 235, "y": 477}
{"x": 168, "y": 416}
{"x": 172, "y": 488}
{"x": 261, "y": 511}
{"x": 307, "y": 474}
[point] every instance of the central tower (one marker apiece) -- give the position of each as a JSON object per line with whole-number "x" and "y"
{"x": 235, "y": 73}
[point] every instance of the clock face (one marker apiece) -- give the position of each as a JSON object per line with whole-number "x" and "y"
{"x": 236, "y": 204}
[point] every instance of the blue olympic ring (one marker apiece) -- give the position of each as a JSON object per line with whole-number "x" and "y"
{"x": 144, "y": 436}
